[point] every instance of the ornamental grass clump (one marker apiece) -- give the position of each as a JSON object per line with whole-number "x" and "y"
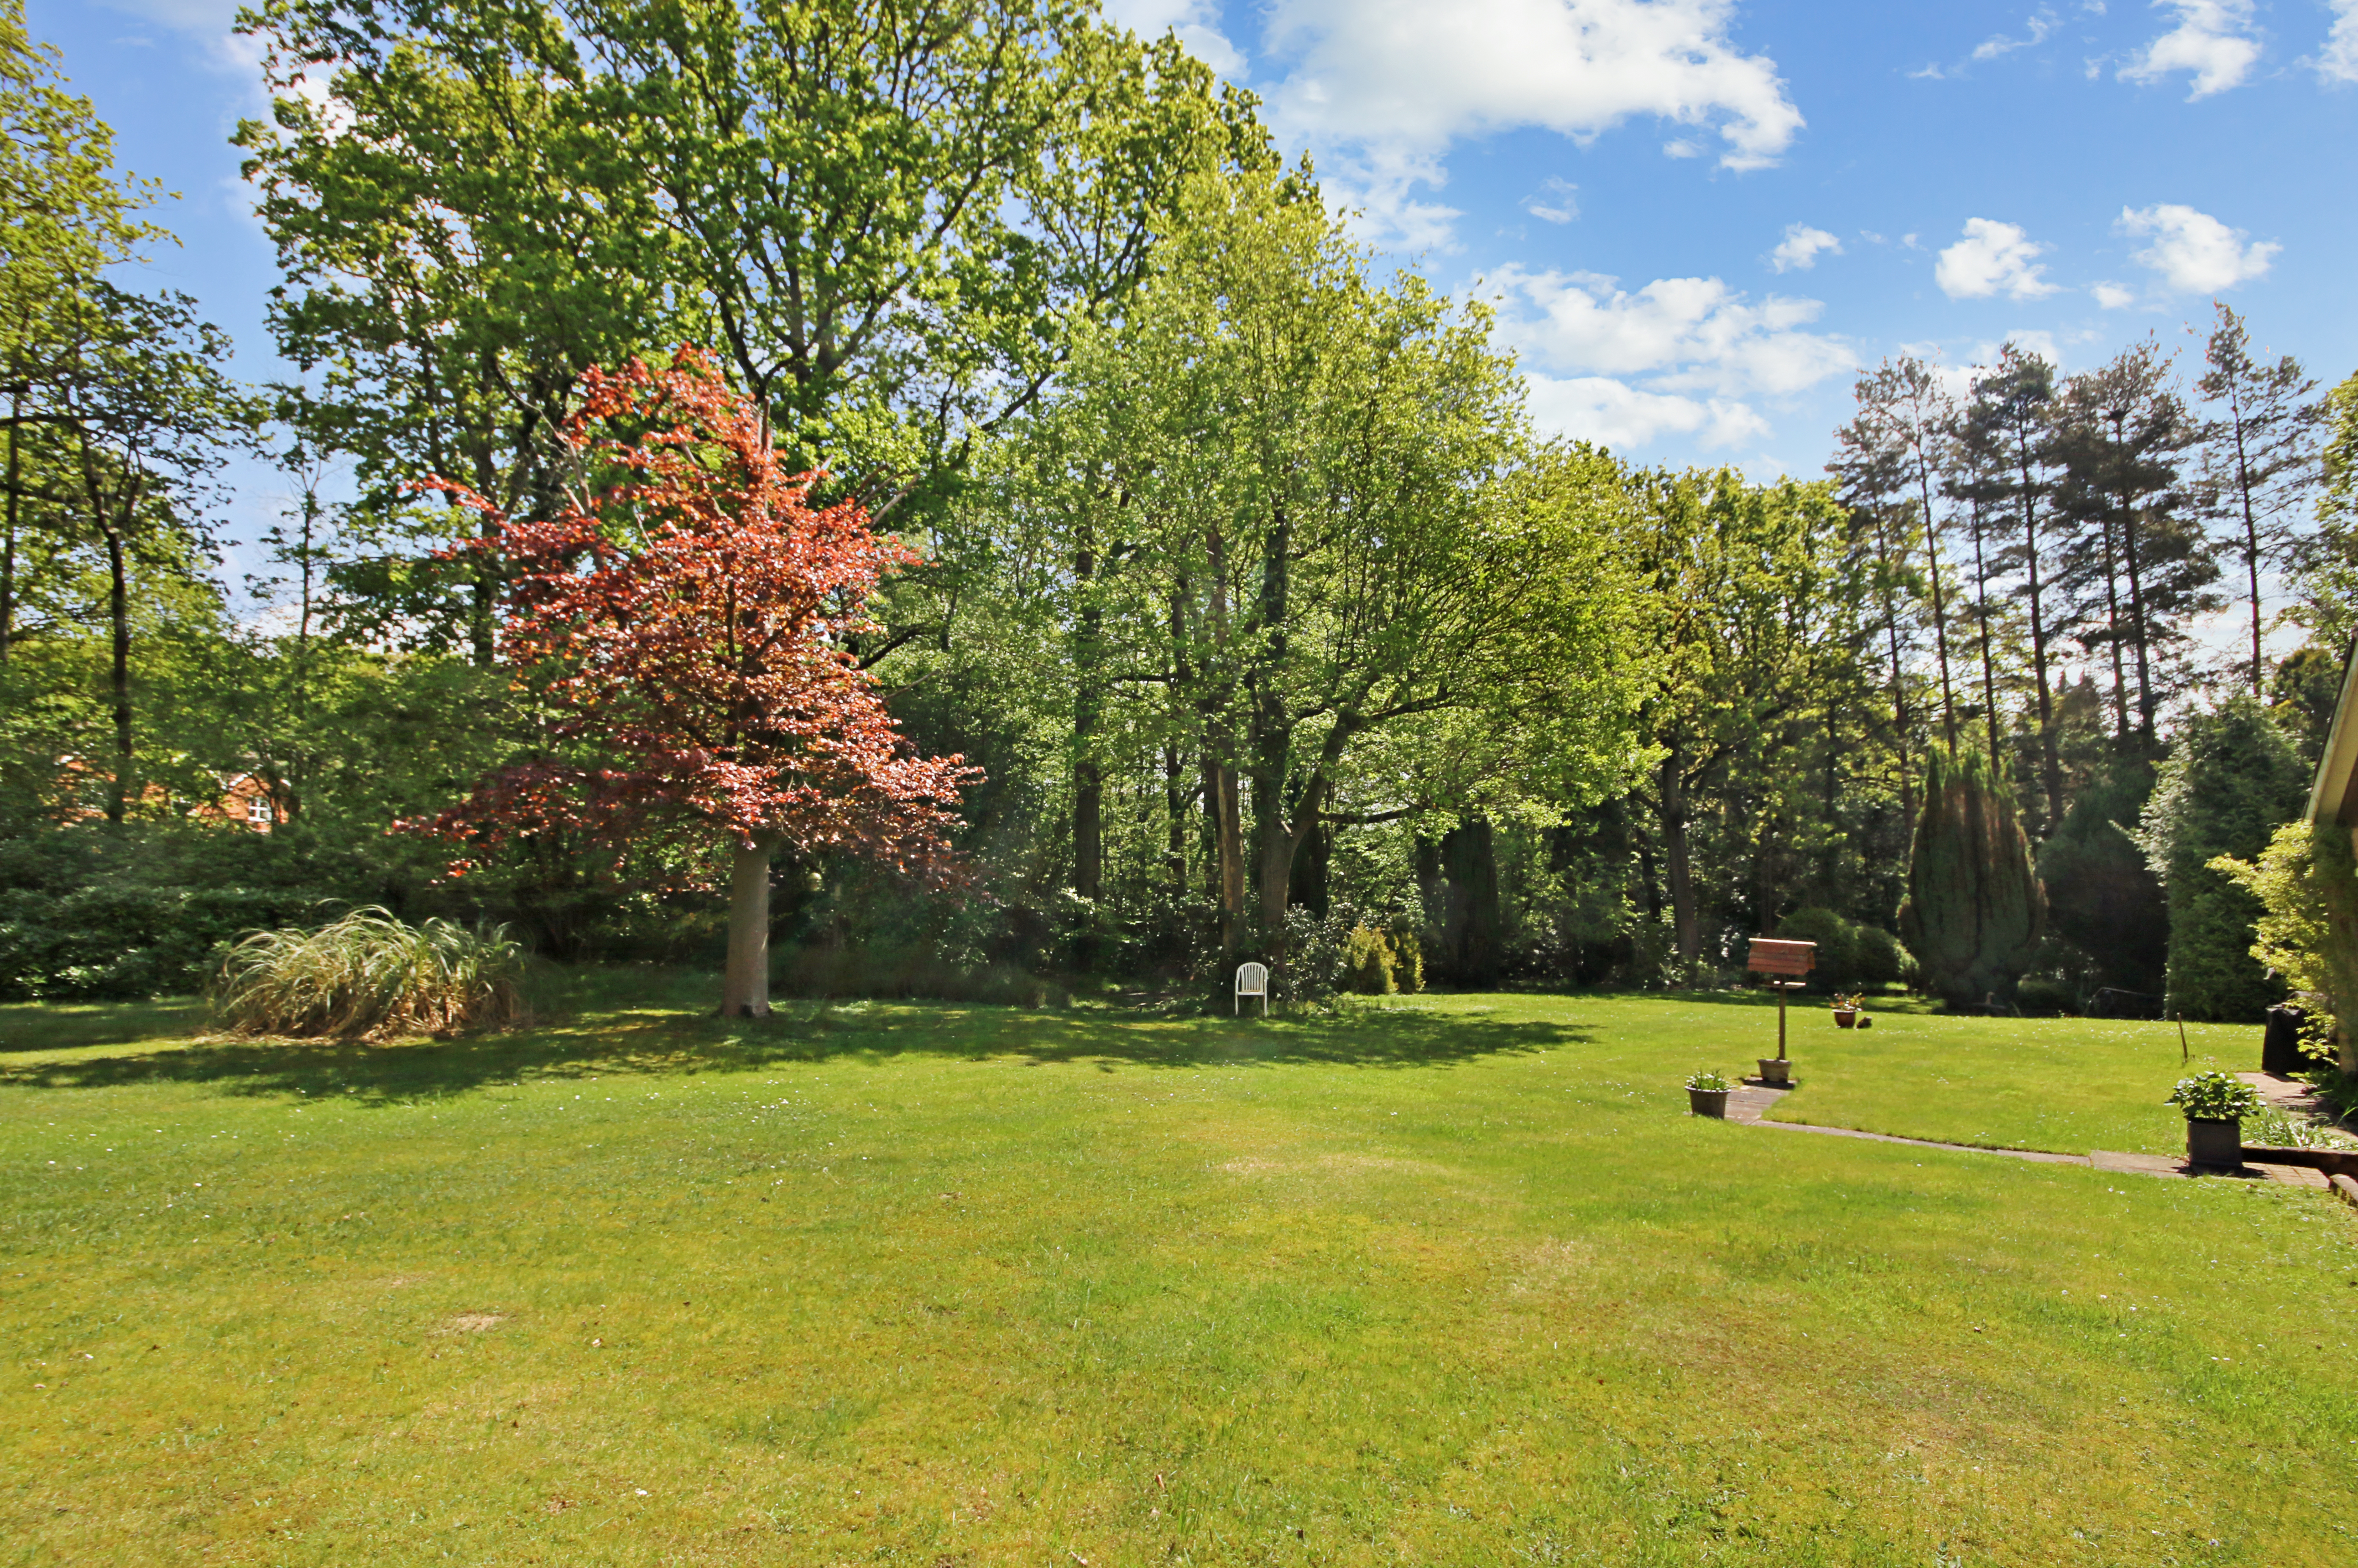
{"x": 2213, "y": 1096}
{"x": 369, "y": 975}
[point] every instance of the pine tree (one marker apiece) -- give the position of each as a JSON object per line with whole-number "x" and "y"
{"x": 1975, "y": 908}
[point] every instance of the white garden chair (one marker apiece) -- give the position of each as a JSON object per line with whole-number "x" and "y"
{"x": 1252, "y": 980}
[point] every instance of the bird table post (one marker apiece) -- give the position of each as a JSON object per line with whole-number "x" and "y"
{"x": 1778, "y": 959}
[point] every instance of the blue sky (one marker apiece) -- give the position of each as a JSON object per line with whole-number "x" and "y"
{"x": 1700, "y": 218}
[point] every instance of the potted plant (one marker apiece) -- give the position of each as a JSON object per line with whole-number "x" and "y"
{"x": 2215, "y": 1104}
{"x": 1707, "y": 1095}
{"x": 1846, "y": 1009}
{"x": 1776, "y": 1072}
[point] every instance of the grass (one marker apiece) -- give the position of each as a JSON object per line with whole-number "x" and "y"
{"x": 2066, "y": 1085}
{"x": 1445, "y": 1280}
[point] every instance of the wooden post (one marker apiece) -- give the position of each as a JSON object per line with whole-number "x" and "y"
{"x": 1780, "y": 1018}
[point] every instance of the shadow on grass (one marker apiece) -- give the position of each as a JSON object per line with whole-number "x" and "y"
{"x": 66, "y": 1026}
{"x": 604, "y": 1033}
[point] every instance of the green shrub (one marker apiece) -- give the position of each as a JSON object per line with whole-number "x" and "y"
{"x": 368, "y": 975}
{"x": 2042, "y": 997}
{"x": 1836, "y": 961}
{"x": 2213, "y": 1096}
{"x": 2306, "y": 932}
{"x": 1367, "y": 964}
{"x": 1408, "y": 955}
{"x": 1849, "y": 954}
{"x": 1882, "y": 961}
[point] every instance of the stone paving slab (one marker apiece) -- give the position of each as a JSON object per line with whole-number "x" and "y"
{"x": 2172, "y": 1165}
{"x": 2284, "y": 1094}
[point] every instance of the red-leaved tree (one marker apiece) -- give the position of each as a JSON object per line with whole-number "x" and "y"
{"x": 684, "y": 614}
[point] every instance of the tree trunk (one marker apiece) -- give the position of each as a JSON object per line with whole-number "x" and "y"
{"x": 2251, "y": 537}
{"x": 2050, "y": 761}
{"x": 1898, "y": 674}
{"x": 1174, "y": 819}
{"x": 118, "y": 612}
{"x": 8, "y": 542}
{"x": 1939, "y": 610}
{"x": 2113, "y": 634}
{"x": 1470, "y": 920}
{"x": 1228, "y": 867}
{"x": 1272, "y": 738}
{"x": 2136, "y": 622}
{"x": 1308, "y": 877}
{"x": 1678, "y": 869}
{"x": 745, "y": 985}
{"x": 1989, "y": 668}
{"x": 1088, "y": 774}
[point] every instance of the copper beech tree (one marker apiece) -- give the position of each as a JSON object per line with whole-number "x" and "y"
{"x": 684, "y": 613}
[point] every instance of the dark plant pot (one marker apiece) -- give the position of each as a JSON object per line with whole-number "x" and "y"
{"x": 1845, "y": 1018}
{"x": 1708, "y": 1102}
{"x": 1775, "y": 1070}
{"x": 2214, "y": 1142}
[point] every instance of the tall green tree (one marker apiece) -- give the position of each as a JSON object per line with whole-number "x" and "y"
{"x": 66, "y": 215}
{"x": 2125, "y": 518}
{"x": 2008, "y": 428}
{"x": 1975, "y": 908}
{"x": 1755, "y": 612}
{"x": 888, "y": 214}
{"x": 145, "y": 405}
{"x": 2259, "y": 453}
{"x": 1306, "y": 532}
{"x": 2232, "y": 779}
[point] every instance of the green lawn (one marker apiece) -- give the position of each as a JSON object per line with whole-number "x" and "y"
{"x": 2068, "y": 1085}
{"x": 1450, "y": 1281}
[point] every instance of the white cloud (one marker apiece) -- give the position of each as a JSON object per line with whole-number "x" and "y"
{"x": 1799, "y": 249}
{"x": 2213, "y": 41}
{"x": 2113, "y": 296}
{"x": 1993, "y": 258}
{"x": 1197, "y": 23}
{"x": 1382, "y": 88}
{"x": 2195, "y": 252}
{"x": 1676, "y": 357}
{"x": 1614, "y": 414}
{"x": 2038, "y": 25}
{"x": 1686, "y": 333}
{"x": 1556, "y": 202}
{"x": 2338, "y": 62}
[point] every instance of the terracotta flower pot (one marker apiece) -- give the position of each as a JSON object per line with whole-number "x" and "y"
{"x": 1708, "y": 1102}
{"x": 2214, "y": 1142}
{"x": 1845, "y": 1018}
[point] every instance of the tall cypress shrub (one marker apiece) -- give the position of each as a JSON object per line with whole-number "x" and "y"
{"x": 2232, "y": 779}
{"x": 1975, "y": 907}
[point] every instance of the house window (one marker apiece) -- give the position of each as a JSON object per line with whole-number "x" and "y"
{"x": 258, "y": 813}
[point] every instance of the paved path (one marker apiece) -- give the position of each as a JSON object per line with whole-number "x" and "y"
{"x": 2284, "y": 1094}
{"x": 1749, "y": 1104}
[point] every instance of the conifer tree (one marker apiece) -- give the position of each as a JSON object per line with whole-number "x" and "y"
{"x": 1975, "y": 908}
{"x": 2234, "y": 778}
